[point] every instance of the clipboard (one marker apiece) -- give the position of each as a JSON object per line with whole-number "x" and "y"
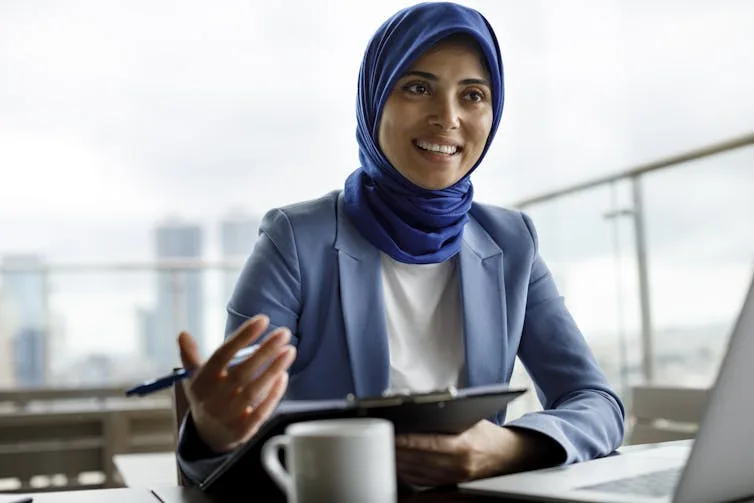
{"x": 449, "y": 411}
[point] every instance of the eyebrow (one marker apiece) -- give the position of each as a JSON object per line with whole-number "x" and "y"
{"x": 433, "y": 77}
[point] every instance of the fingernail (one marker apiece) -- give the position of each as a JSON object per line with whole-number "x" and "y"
{"x": 284, "y": 332}
{"x": 254, "y": 320}
{"x": 290, "y": 354}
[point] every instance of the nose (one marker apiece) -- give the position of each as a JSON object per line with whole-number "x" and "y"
{"x": 445, "y": 113}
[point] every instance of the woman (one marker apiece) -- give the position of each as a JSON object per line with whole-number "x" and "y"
{"x": 401, "y": 280}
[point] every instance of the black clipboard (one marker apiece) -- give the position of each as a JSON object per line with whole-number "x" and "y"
{"x": 449, "y": 411}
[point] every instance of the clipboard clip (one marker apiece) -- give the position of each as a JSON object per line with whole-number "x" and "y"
{"x": 392, "y": 398}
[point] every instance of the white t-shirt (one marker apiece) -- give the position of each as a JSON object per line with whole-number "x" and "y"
{"x": 424, "y": 324}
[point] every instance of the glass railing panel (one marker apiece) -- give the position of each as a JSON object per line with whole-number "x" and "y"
{"x": 586, "y": 239}
{"x": 700, "y": 248}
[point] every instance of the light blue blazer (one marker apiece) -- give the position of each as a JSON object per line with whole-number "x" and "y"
{"x": 313, "y": 272}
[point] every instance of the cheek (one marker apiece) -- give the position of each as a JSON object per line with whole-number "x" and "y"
{"x": 392, "y": 121}
{"x": 478, "y": 138}
{"x": 386, "y": 132}
{"x": 390, "y": 136}
{"x": 482, "y": 131}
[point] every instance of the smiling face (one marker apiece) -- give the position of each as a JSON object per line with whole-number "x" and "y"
{"x": 437, "y": 119}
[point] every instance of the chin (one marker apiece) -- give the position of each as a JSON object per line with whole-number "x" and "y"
{"x": 431, "y": 176}
{"x": 435, "y": 183}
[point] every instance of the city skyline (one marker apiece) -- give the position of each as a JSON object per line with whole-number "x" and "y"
{"x": 567, "y": 271}
{"x": 27, "y": 320}
{"x": 29, "y": 335}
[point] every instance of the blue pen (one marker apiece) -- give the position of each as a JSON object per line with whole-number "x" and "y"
{"x": 153, "y": 385}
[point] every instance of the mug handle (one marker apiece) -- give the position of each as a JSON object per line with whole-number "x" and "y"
{"x": 271, "y": 461}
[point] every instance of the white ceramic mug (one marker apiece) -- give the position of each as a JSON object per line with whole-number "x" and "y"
{"x": 335, "y": 460}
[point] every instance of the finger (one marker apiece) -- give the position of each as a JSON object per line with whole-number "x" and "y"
{"x": 425, "y": 442}
{"x": 242, "y": 373}
{"x": 255, "y": 390}
{"x": 416, "y": 476}
{"x": 411, "y": 478}
{"x": 436, "y": 462}
{"x": 424, "y": 473}
{"x": 442, "y": 468}
{"x": 232, "y": 402}
{"x": 254, "y": 418}
{"x": 419, "y": 479}
{"x": 191, "y": 358}
{"x": 225, "y": 402}
{"x": 245, "y": 335}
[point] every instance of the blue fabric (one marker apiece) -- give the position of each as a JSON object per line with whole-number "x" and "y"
{"x": 410, "y": 223}
{"x": 313, "y": 272}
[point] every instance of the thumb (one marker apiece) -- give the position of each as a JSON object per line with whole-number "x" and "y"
{"x": 190, "y": 356}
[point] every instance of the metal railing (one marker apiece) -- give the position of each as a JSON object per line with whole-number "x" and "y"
{"x": 642, "y": 169}
{"x": 637, "y": 213}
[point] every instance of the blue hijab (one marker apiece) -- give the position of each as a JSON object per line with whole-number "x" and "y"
{"x": 412, "y": 224}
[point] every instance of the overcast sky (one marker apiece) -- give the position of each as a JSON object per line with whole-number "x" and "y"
{"x": 117, "y": 114}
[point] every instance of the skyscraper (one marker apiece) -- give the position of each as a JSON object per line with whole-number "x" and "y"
{"x": 146, "y": 321}
{"x": 8, "y": 324}
{"x": 179, "y": 294}
{"x": 238, "y": 233}
{"x": 25, "y": 304}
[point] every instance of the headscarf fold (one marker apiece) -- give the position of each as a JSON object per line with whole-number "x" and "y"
{"x": 410, "y": 223}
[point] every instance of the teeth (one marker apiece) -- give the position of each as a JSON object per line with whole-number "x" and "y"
{"x": 443, "y": 149}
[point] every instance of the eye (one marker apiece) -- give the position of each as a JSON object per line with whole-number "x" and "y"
{"x": 475, "y": 95}
{"x": 416, "y": 88}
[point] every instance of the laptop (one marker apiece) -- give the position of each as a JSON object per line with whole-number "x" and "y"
{"x": 717, "y": 466}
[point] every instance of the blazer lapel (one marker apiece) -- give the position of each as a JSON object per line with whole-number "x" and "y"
{"x": 483, "y": 301}
{"x": 363, "y": 308}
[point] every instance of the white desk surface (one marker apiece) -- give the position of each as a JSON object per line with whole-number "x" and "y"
{"x": 148, "y": 470}
{"x": 126, "y": 495}
{"x": 160, "y": 469}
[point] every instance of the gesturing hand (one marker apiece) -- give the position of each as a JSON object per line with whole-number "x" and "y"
{"x": 228, "y": 405}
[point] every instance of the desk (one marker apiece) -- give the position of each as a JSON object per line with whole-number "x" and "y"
{"x": 158, "y": 472}
{"x": 88, "y": 496}
{"x": 189, "y": 495}
{"x": 182, "y": 495}
{"x": 160, "y": 469}
{"x": 151, "y": 470}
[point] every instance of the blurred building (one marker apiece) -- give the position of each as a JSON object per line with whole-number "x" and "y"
{"x": 146, "y": 323}
{"x": 179, "y": 294}
{"x": 57, "y": 343}
{"x": 25, "y": 318}
{"x": 238, "y": 233}
{"x": 8, "y": 325}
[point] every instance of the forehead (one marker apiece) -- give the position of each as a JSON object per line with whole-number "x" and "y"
{"x": 455, "y": 48}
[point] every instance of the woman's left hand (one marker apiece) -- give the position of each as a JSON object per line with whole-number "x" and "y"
{"x": 484, "y": 450}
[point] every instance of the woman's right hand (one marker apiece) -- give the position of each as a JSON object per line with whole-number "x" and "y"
{"x": 228, "y": 405}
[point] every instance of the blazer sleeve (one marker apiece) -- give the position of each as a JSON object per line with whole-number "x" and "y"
{"x": 581, "y": 412}
{"x": 270, "y": 283}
